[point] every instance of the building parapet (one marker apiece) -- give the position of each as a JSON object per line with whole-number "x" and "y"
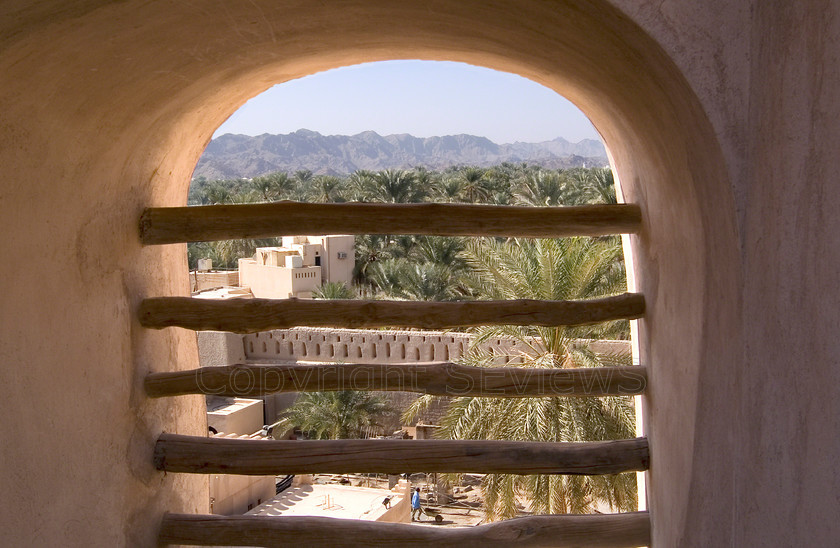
{"x": 388, "y": 346}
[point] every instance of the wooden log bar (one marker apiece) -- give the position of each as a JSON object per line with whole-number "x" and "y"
{"x": 439, "y": 379}
{"x": 226, "y": 222}
{"x": 595, "y": 530}
{"x": 202, "y": 455}
{"x": 255, "y": 315}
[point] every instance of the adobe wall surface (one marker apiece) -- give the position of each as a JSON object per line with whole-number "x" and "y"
{"x": 232, "y": 494}
{"x": 722, "y": 122}
{"x": 240, "y": 416}
{"x": 208, "y": 280}
{"x": 339, "y": 269}
{"x": 767, "y": 76}
{"x": 217, "y": 348}
{"x": 273, "y": 282}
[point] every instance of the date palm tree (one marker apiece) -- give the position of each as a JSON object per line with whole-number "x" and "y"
{"x": 394, "y": 186}
{"x": 273, "y": 186}
{"x": 401, "y": 279}
{"x": 442, "y": 250}
{"x": 334, "y": 290}
{"x": 448, "y": 190}
{"x": 572, "y": 268}
{"x": 217, "y": 193}
{"x": 371, "y": 249}
{"x": 326, "y": 189}
{"x": 473, "y": 185}
{"x": 334, "y": 415}
{"x": 544, "y": 188}
{"x": 358, "y": 184}
{"x": 601, "y": 186}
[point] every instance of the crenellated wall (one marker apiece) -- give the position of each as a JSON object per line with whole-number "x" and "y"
{"x": 374, "y": 346}
{"x": 362, "y": 346}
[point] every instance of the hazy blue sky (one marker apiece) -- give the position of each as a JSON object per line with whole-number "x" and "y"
{"x": 423, "y": 98}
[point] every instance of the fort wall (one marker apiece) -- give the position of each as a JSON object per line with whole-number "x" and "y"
{"x": 378, "y": 346}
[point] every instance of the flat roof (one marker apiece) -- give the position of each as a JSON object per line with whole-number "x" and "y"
{"x": 330, "y": 500}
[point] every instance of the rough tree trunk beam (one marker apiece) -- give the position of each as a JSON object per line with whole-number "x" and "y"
{"x": 201, "y": 455}
{"x": 226, "y": 222}
{"x": 596, "y": 530}
{"x": 255, "y": 315}
{"x": 439, "y": 379}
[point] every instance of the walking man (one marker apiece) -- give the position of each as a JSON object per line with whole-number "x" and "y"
{"x": 415, "y": 504}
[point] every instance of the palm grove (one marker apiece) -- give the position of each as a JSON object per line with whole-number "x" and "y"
{"x": 446, "y": 269}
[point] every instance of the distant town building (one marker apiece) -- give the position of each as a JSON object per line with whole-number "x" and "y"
{"x": 204, "y": 277}
{"x": 299, "y": 266}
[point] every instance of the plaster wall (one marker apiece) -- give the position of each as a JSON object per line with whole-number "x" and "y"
{"x": 788, "y": 389}
{"x": 278, "y": 282}
{"x": 722, "y": 121}
{"x": 336, "y": 254}
{"x": 767, "y": 75}
{"x": 240, "y": 416}
{"x": 339, "y": 258}
{"x": 232, "y": 494}
{"x": 208, "y": 280}
{"x": 275, "y": 256}
{"x": 216, "y": 348}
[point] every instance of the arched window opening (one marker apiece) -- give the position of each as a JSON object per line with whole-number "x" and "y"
{"x": 435, "y": 268}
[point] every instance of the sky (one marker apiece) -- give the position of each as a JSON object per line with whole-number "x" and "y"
{"x": 423, "y": 98}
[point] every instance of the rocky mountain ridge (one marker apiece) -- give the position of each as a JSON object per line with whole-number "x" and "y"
{"x": 230, "y": 156}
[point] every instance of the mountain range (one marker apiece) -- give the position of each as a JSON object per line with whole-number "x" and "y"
{"x": 231, "y": 156}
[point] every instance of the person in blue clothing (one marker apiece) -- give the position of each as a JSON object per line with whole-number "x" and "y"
{"x": 415, "y": 504}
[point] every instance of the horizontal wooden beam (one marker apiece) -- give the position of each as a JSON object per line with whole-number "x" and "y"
{"x": 439, "y": 379}
{"x": 202, "y": 455}
{"x": 567, "y": 530}
{"x": 226, "y": 222}
{"x": 255, "y": 315}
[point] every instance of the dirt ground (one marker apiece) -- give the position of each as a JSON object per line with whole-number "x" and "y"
{"x": 459, "y": 507}
{"x": 452, "y": 517}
